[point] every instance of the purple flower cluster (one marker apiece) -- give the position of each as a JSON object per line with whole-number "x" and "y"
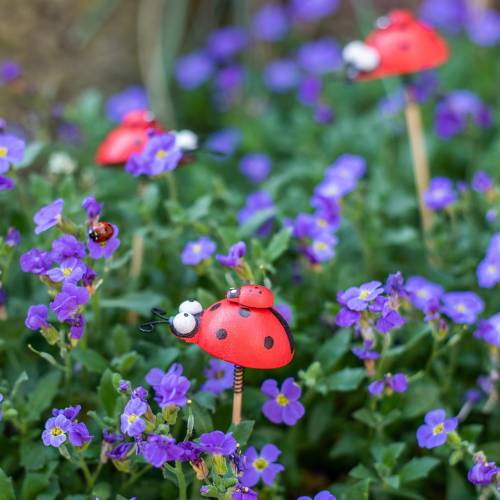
{"x": 322, "y": 495}
{"x": 11, "y": 152}
{"x": 488, "y": 271}
{"x": 160, "y": 155}
{"x": 283, "y": 405}
{"x": 435, "y": 431}
{"x": 390, "y": 383}
{"x": 170, "y": 387}
{"x": 63, "y": 425}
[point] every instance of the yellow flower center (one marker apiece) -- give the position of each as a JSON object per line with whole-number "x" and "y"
{"x": 460, "y": 308}
{"x": 3, "y": 152}
{"x": 491, "y": 269}
{"x": 281, "y": 399}
{"x": 438, "y": 429}
{"x": 319, "y": 246}
{"x": 66, "y": 271}
{"x": 196, "y": 248}
{"x": 260, "y": 464}
{"x": 422, "y": 293}
{"x": 160, "y": 154}
{"x": 364, "y": 294}
{"x": 321, "y": 222}
{"x": 56, "y": 431}
{"x": 219, "y": 374}
{"x": 132, "y": 418}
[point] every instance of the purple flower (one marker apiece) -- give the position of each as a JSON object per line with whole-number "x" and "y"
{"x": 70, "y": 271}
{"x": 193, "y": 70}
{"x": 281, "y": 75}
{"x": 234, "y": 256}
{"x": 77, "y": 327}
{"x": 422, "y": 291}
{"x": 321, "y": 248}
{"x": 283, "y": 406}
{"x": 120, "y": 452}
{"x": 92, "y": 207}
{"x": 483, "y": 27}
{"x": 488, "y": 272}
{"x": 392, "y": 383}
{"x": 68, "y": 300}
{"x": 188, "y": 451}
{"x": 270, "y": 23}
{"x": 435, "y": 430}
{"x": 309, "y": 90}
{"x": 448, "y": 15}
{"x": 312, "y": 10}
{"x": 462, "y": 307}
{"x": 390, "y": 319}
{"x": 170, "y": 387}
{"x": 255, "y": 203}
{"x": 218, "y": 443}
{"x": 37, "y": 317}
{"x": 227, "y": 42}
{"x": 224, "y": 142}
{"x": 482, "y": 181}
{"x": 110, "y": 437}
{"x": 322, "y": 495}
{"x": 55, "y": 431}
{"x": 219, "y": 376}
{"x": 346, "y": 318}
{"x": 358, "y": 298}
{"x": 489, "y": 330}
{"x": 1, "y": 413}
{"x": 13, "y": 237}
{"x": 365, "y": 353}
{"x": 241, "y": 492}
{"x": 256, "y": 166}
{"x": 36, "y": 261}
{"x": 131, "y": 422}
{"x": 323, "y": 114}
{"x": 48, "y": 216}
{"x": 106, "y": 248}
{"x": 286, "y": 311}
{"x": 71, "y": 412}
{"x": 11, "y": 151}
{"x": 456, "y": 109}
{"x": 140, "y": 392}
{"x": 440, "y": 193}
{"x": 9, "y": 71}
{"x": 133, "y": 98}
{"x": 483, "y": 473}
{"x": 79, "y": 434}
{"x": 6, "y": 183}
{"x": 261, "y": 466}
{"x": 197, "y": 251}
{"x": 320, "y": 56}
{"x": 66, "y": 247}
{"x": 159, "y": 449}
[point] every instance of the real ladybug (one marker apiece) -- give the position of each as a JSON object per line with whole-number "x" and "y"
{"x": 101, "y": 232}
{"x": 242, "y": 328}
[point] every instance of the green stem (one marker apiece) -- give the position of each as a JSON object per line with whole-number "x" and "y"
{"x": 134, "y": 477}
{"x": 86, "y": 472}
{"x": 181, "y": 480}
{"x": 172, "y": 186}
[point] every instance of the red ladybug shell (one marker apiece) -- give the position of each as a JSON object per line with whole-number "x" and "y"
{"x": 131, "y": 136}
{"x": 253, "y": 296}
{"x": 405, "y": 45}
{"x": 101, "y": 232}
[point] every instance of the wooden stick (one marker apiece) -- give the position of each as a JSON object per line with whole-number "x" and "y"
{"x": 136, "y": 268}
{"x": 239, "y": 373}
{"x": 419, "y": 155}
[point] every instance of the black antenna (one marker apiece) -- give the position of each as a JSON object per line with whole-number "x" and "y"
{"x": 150, "y": 325}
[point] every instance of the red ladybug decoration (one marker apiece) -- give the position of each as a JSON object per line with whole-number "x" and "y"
{"x": 242, "y": 329}
{"x": 100, "y": 232}
{"x": 131, "y": 136}
{"x": 399, "y": 45}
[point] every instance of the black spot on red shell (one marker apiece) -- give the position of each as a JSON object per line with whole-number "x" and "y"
{"x": 221, "y": 333}
{"x": 268, "y": 342}
{"x": 244, "y": 312}
{"x": 215, "y": 306}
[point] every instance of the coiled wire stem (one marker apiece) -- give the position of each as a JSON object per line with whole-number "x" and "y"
{"x": 238, "y": 379}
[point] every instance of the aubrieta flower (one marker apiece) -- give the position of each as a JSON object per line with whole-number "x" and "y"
{"x": 6, "y": 183}
{"x": 170, "y": 387}
{"x": 77, "y": 326}
{"x": 322, "y": 495}
{"x": 241, "y": 492}
{"x": 447, "y": 15}
{"x": 70, "y": 271}
{"x": 104, "y": 249}
{"x": 219, "y": 376}
{"x": 482, "y": 472}
{"x": 79, "y": 434}
{"x": 92, "y": 207}
{"x": 36, "y": 261}
{"x": 440, "y": 193}
{"x": 483, "y": 27}
{"x": 11, "y": 151}
{"x": 111, "y": 437}
{"x": 462, "y": 307}
{"x": 234, "y": 256}
{"x": 422, "y": 291}
{"x": 158, "y": 449}
{"x": 197, "y": 251}
{"x": 55, "y": 433}
{"x": 270, "y": 22}
{"x": 312, "y": 10}
{"x": 13, "y": 237}
{"x": 482, "y": 181}
{"x": 227, "y": 42}
{"x": 48, "y": 216}
{"x": 133, "y": 98}
{"x": 366, "y": 353}
{"x": 321, "y": 248}
{"x": 224, "y": 142}
{"x": 1, "y": 412}
{"x": 489, "y": 330}
{"x": 63, "y": 425}
{"x": 488, "y": 271}
{"x": 436, "y": 429}
{"x": 120, "y": 452}
{"x": 9, "y": 71}
{"x": 68, "y": 300}
{"x": 281, "y": 75}
{"x": 131, "y": 422}
{"x": 37, "y": 317}
{"x": 193, "y": 70}
{"x": 456, "y": 110}
{"x": 320, "y": 56}
{"x": 218, "y": 443}
{"x": 261, "y": 465}
{"x": 358, "y": 298}
{"x": 255, "y": 203}
{"x": 283, "y": 405}
{"x": 391, "y": 383}
{"x": 309, "y": 90}
{"x": 255, "y": 166}
{"x": 67, "y": 247}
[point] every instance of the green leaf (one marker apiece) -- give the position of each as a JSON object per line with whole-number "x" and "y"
{"x": 362, "y": 472}
{"x": 357, "y": 491}
{"x": 278, "y": 245}
{"x": 34, "y": 455}
{"x": 41, "y": 397}
{"x": 417, "y": 468}
{"x": 388, "y": 455}
{"x": 334, "y": 348}
{"x": 205, "y": 298}
{"x": 202, "y": 419}
{"x": 6, "y": 488}
{"x": 242, "y": 431}
{"x": 368, "y": 417}
{"x": 139, "y": 302}
{"x": 251, "y": 225}
{"x": 125, "y": 362}
{"x": 33, "y": 149}
{"x": 345, "y": 380}
{"x": 90, "y": 359}
{"x": 422, "y": 396}
{"x": 33, "y": 484}
{"x": 107, "y": 392}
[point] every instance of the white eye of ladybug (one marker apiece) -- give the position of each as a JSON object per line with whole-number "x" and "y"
{"x": 184, "y": 323}
{"x": 361, "y": 56}
{"x": 191, "y": 307}
{"x": 186, "y": 140}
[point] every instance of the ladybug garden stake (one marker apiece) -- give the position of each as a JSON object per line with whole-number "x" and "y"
{"x": 401, "y": 45}
{"x": 242, "y": 329}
